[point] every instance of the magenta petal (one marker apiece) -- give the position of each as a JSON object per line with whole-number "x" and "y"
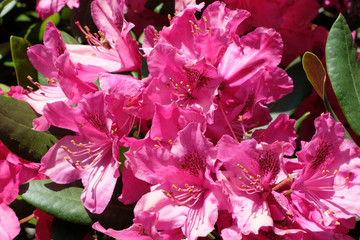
{"x": 99, "y": 184}
{"x": 262, "y": 47}
{"x": 9, "y": 223}
{"x": 133, "y": 188}
{"x": 55, "y": 165}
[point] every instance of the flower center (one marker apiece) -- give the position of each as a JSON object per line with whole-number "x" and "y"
{"x": 194, "y": 163}
{"x": 96, "y": 120}
{"x": 322, "y": 152}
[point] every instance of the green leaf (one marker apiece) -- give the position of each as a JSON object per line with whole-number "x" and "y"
{"x": 6, "y": 6}
{"x": 55, "y": 18}
{"x": 4, "y": 87}
{"x": 68, "y": 39}
{"x": 61, "y": 201}
{"x": 15, "y": 130}
{"x": 315, "y": 72}
{"x": 300, "y": 121}
{"x": 344, "y": 71}
{"x": 22, "y": 65}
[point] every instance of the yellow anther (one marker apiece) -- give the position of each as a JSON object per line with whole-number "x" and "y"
{"x": 335, "y": 172}
{"x": 67, "y": 158}
{"x": 81, "y": 145}
{"x": 157, "y": 146}
{"x": 240, "y": 166}
{"x": 73, "y": 142}
{"x": 171, "y": 142}
{"x": 63, "y": 147}
{"x": 89, "y": 151}
{"x": 157, "y": 139}
{"x": 70, "y": 152}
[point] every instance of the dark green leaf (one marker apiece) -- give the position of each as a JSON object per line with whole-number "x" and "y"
{"x": 23, "y": 66}
{"x": 344, "y": 71}
{"x": 15, "y": 130}
{"x": 61, "y": 201}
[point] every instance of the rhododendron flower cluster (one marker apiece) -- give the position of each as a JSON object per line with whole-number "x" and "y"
{"x": 204, "y": 156}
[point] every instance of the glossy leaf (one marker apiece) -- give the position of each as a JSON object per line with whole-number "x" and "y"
{"x": 61, "y": 201}
{"x": 315, "y": 72}
{"x": 15, "y": 130}
{"x": 22, "y": 65}
{"x": 344, "y": 71}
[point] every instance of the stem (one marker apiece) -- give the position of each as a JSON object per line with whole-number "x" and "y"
{"x": 26, "y": 219}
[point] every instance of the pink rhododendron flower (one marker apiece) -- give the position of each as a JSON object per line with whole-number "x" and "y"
{"x": 187, "y": 83}
{"x": 9, "y": 223}
{"x": 327, "y": 186}
{"x": 43, "y": 225}
{"x": 45, "y": 8}
{"x": 53, "y": 60}
{"x": 91, "y": 155}
{"x": 15, "y": 171}
{"x": 183, "y": 194}
{"x": 115, "y": 50}
{"x": 250, "y": 172}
